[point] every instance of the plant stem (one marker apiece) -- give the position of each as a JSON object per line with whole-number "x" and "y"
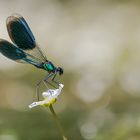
{"x": 57, "y": 122}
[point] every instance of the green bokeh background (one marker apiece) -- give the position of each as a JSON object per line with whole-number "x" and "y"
{"x": 98, "y": 45}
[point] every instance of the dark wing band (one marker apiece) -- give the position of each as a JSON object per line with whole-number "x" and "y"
{"x": 12, "y": 52}
{"x": 22, "y": 36}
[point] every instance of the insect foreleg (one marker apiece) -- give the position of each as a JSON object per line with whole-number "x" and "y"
{"x": 53, "y": 79}
{"x": 38, "y": 84}
{"x": 37, "y": 89}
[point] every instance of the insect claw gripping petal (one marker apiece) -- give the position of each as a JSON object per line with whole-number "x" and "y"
{"x": 45, "y": 80}
{"x": 50, "y": 97}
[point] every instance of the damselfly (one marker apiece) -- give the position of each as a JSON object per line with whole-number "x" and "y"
{"x": 25, "y": 49}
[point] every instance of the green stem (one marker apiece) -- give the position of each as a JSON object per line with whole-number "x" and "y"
{"x": 58, "y": 122}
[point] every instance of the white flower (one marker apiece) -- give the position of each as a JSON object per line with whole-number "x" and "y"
{"x": 50, "y": 97}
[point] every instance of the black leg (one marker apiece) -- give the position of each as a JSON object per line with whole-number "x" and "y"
{"x": 37, "y": 89}
{"x": 46, "y": 79}
{"x": 48, "y": 76}
{"x": 50, "y": 84}
{"x": 38, "y": 84}
{"x": 53, "y": 79}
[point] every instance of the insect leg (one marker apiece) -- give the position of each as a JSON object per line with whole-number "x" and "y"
{"x": 38, "y": 84}
{"x": 53, "y": 79}
{"x": 37, "y": 89}
{"x": 46, "y": 80}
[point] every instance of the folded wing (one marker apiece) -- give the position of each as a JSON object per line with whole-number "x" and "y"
{"x": 12, "y": 52}
{"x": 22, "y": 36}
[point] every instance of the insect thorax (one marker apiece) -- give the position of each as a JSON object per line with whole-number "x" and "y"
{"x": 49, "y": 66}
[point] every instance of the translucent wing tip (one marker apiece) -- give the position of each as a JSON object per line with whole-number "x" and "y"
{"x": 2, "y": 41}
{"x": 13, "y": 17}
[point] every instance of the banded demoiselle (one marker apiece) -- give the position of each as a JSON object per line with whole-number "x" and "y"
{"x": 25, "y": 49}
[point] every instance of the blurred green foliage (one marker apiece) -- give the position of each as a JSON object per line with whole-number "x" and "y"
{"x": 97, "y": 43}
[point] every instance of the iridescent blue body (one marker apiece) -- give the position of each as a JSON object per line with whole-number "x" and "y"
{"x": 24, "y": 48}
